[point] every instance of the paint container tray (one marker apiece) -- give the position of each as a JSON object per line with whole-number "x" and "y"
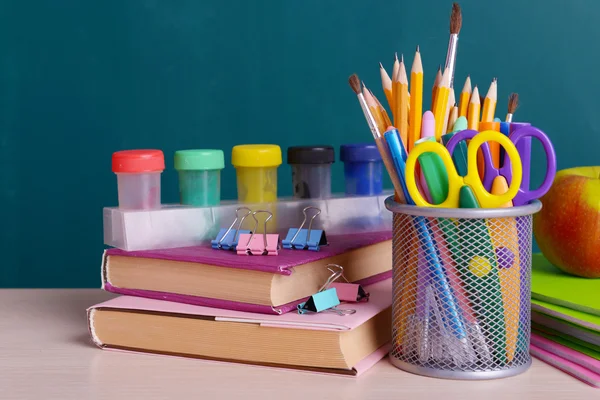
{"x": 181, "y": 226}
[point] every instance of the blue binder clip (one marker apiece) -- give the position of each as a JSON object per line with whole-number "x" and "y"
{"x": 227, "y": 239}
{"x": 302, "y": 239}
{"x": 325, "y": 300}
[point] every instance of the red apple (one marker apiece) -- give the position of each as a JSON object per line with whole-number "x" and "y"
{"x": 567, "y": 228}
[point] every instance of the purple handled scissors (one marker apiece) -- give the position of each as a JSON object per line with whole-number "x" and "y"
{"x": 524, "y": 195}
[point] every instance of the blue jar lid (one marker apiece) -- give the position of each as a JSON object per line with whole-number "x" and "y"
{"x": 359, "y": 152}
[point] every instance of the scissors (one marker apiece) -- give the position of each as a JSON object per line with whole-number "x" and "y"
{"x": 471, "y": 180}
{"x": 524, "y": 195}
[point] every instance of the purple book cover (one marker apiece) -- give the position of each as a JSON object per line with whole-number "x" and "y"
{"x": 280, "y": 264}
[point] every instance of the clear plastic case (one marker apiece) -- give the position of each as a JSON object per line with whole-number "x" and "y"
{"x": 179, "y": 226}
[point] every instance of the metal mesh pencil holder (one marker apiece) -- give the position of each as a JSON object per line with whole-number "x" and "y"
{"x": 461, "y": 290}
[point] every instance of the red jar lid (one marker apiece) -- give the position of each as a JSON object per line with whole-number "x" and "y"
{"x": 132, "y": 161}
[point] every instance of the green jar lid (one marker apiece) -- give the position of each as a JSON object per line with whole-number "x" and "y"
{"x": 199, "y": 159}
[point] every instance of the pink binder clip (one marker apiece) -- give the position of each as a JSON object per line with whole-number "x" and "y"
{"x": 346, "y": 291}
{"x": 258, "y": 245}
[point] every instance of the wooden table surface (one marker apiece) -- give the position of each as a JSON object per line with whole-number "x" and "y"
{"x": 46, "y": 353}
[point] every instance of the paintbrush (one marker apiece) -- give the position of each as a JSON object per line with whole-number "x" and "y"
{"x": 455, "y": 25}
{"x": 378, "y": 137}
{"x": 513, "y": 103}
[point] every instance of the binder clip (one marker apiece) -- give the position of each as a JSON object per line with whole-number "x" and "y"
{"x": 346, "y": 291}
{"x": 258, "y": 245}
{"x": 325, "y": 300}
{"x": 227, "y": 239}
{"x": 302, "y": 239}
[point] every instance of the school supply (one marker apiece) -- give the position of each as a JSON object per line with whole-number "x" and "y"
{"x": 566, "y": 328}
{"x": 579, "y": 318}
{"x": 474, "y": 109}
{"x": 323, "y": 342}
{"x": 524, "y": 149}
{"x": 465, "y": 97}
{"x": 471, "y": 181}
{"x": 175, "y": 225}
{"x": 551, "y": 285}
{"x": 567, "y": 365}
{"x": 227, "y": 239}
{"x": 591, "y": 362}
{"x": 377, "y": 136}
{"x": 513, "y": 104}
{"x": 363, "y": 169}
{"x": 258, "y": 244}
{"x": 311, "y": 239}
{"x": 326, "y": 299}
{"x": 311, "y": 171}
{"x": 256, "y": 172}
{"x": 455, "y": 25}
{"x": 138, "y": 178}
{"x": 566, "y": 340}
{"x": 346, "y": 291}
{"x": 416, "y": 100}
{"x": 489, "y": 104}
{"x": 199, "y": 175}
{"x": 204, "y": 276}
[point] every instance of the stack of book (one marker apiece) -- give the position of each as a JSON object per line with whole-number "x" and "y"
{"x": 565, "y": 321}
{"x": 217, "y": 305}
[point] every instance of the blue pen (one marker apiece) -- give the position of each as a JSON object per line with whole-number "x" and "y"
{"x": 399, "y": 156}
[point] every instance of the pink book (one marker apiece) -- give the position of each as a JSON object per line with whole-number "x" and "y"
{"x": 566, "y": 365}
{"x": 152, "y": 326}
{"x": 366, "y": 258}
{"x": 565, "y": 352}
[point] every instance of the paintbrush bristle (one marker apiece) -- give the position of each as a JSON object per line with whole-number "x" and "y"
{"x": 354, "y": 83}
{"x": 455, "y": 19}
{"x": 513, "y": 103}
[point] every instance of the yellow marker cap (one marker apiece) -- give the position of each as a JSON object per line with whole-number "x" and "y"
{"x": 256, "y": 155}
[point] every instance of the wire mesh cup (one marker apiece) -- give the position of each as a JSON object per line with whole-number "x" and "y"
{"x": 461, "y": 290}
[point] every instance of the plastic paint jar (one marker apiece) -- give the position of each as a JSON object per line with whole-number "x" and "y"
{"x": 138, "y": 178}
{"x": 311, "y": 171}
{"x": 363, "y": 169}
{"x": 199, "y": 176}
{"x": 256, "y": 172}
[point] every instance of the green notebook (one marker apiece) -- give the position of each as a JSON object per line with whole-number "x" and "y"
{"x": 568, "y": 341}
{"x": 585, "y": 320}
{"x": 576, "y": 331}
{"x": 551, "y": 285}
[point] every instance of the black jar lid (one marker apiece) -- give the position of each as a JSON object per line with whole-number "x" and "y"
{"x": 310, "y": 155}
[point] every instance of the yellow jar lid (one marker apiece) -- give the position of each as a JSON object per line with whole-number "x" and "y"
{"x": 256, "y": 155}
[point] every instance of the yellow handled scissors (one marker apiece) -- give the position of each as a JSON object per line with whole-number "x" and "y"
{"x": 472, "y": 179}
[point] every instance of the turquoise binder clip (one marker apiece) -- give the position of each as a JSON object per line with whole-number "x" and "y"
{"x": 302, "y": 239}
{"x": 325, "y": 300}
{"x": 227, "y": 239}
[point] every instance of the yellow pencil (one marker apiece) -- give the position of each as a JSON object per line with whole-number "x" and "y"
{"x": 395, "y": 88}
{"x": 473, "y": 113}
{"x": 451, "y": 103}
{"x": 489, "y": 104}
{"x": 441, "y": 103}
{"x": 386, "y": 83}
{"x": 452, "y": 118}
{"x": 374, "y": 108}
{"x": 465, "y": 96}
{"x": 402, "y": 106}
{"x": 384, "y": 113}
{"x": 416, "y": 100}
{"x": 436, "y": 83}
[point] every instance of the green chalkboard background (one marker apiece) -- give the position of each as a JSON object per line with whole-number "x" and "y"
{"x": 82, "y": 79}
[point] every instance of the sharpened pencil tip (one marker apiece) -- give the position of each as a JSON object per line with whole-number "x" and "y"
{"x": 380, "y": 65}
